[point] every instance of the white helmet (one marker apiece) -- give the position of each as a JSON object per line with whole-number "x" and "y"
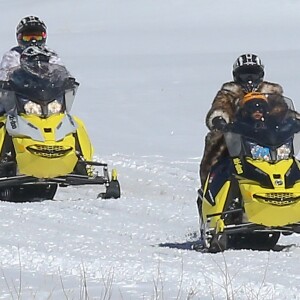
{"x": 248, "y": 71}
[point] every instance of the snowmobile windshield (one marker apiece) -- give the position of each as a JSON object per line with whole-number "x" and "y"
{"x": 277, "y": 131}
{"x": 41, "y": 88}
{"x": 38, "y": 80}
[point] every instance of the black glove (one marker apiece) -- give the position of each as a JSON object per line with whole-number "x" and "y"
{"x": 219, "y": 123}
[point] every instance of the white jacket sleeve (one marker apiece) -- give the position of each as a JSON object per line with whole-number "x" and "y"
{"x": 10, "y": 60}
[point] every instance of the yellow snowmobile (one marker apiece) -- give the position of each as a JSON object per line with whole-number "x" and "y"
{"x": 253, "y": 195}
{"x": 42, "y": 146}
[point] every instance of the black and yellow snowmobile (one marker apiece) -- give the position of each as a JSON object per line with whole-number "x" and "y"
{"x": 42, "y": 146}
{"x": 253, "y": 195}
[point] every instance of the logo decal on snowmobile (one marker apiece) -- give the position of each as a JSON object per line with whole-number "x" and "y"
{"x": 238, "y": 165}
{"x": 278, "y": 198}
{"x": 278, "y": 182}
{"x": 13, "y": 121}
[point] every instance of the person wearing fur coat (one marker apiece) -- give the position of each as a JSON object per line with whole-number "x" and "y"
{"x": 248, "y": 75}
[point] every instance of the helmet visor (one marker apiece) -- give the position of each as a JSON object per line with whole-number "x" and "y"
{"x": 249, "y": 73}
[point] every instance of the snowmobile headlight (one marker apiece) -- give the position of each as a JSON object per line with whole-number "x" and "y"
{"x": 54, "y": 107}
{"x": 32, "y": 108}
{"x": 260, "y": 152}
{"x": 284, "y": 151}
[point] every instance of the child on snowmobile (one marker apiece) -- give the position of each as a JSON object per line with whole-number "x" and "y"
{"x": 31, "y": 31}
{"x": 253, "y": 108}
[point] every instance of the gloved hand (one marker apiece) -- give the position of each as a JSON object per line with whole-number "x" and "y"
{"x": 219, "y": 123}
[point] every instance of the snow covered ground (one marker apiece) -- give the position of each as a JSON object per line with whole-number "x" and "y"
{"x": 148, "y": 71}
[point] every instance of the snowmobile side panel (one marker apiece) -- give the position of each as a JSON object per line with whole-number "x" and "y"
{"x": 64, "y": 128}
{"x": 2, "y": 131}
{"x": 84, "y": 140}
{"x": 18, "y": 126}
{"x": 217, "y": 209}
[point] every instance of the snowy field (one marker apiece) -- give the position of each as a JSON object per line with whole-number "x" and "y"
{"x": 149, "y": 70}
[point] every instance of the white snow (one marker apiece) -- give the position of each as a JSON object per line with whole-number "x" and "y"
{"x": 149, "y": 70}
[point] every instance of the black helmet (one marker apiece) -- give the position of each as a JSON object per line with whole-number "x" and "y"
{"x": 31, "y": 31}
{"x": 248, "y": 71}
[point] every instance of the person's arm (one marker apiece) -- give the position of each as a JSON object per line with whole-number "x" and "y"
{"x": 10, "y": 60}
{"x": 224, "y": 105}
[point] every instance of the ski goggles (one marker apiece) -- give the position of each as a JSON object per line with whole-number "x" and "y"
{"x": 256, "y": 106}
{"x": 27, "y": 37}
